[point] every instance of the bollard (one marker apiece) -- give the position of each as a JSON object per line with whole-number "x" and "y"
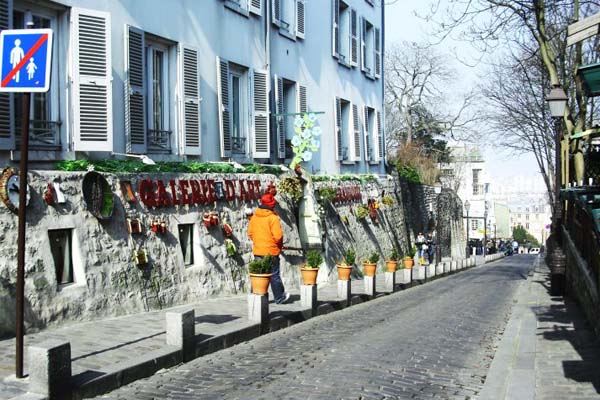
{"x": 418, "y": 273}
{"x": 446, "y": 267}
{"x": 308, "y": 297}
{"x": 430, "y": 271}
{"x": 404, "y": 276}
{"x": 344, "y": 291}
{"x": 50, "y": 369}
{"x": 258, "y": 310}
{"x": 439, "y": 269}
{"x": 390, "y": 282}
{"x": 181, "y": 332}
{"x": 370, "y": 286}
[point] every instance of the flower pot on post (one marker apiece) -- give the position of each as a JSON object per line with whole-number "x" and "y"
{"x": 258, "y": 301}
{"x": 344, "y": 269}
{"x": 308, "y": 290}
{"x": 370, "y": 267}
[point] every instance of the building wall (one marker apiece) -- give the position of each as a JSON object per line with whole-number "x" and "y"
{"x": 212, "y": 29}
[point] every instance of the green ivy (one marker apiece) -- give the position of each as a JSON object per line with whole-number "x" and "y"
{"x": 363, "y": 178}
{"x": 195, "y": 167}
{"x": 408, "y": 173}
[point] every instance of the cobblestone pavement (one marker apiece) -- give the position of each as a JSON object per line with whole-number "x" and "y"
{"x": 433, "y": 341}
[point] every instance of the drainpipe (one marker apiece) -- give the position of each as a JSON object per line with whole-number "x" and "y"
{"x": 383, "y": 81}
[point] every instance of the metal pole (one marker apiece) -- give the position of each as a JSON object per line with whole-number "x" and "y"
{"x": 468, "y": 248}
{"x": 557, "y": 183}
{"x": 484, "y": 234}
{"x": 21, "y": 238}
{"x": 438, "y": 250}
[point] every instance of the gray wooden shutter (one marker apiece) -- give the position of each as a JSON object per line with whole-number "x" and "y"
{"x": 261, "y": 114}
{"x": 377, "y": 51}
{"x": 356, "y": 127}
{"x": 366, "y": 133}
{"x": 363, "y": 44}
{"x": 300, "y": 18}
{"x": 92, "y": 86}
{"x": 335, "y": 36}
{"x": 191, "y": 100}
{"x": 302, "y": 101}
{"x": 276, "y": 12}
{"x": 7, "y": 126}
{"x": 255, "y": 6}
{"x": 380, "y": 146}
{"x": 279, "y": 119}
{"x": 338, "y": 129}
{"x": 223, "y": 104}
{"x": 135, "y": 90}
{"x": 353, "y": 38}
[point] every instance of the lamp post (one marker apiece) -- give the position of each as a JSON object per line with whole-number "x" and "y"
{"x": 557, "y": 101}
{"x": 485, "y": 215}
{"x": 467, "y": 206}
{"x": 438, "y": 251}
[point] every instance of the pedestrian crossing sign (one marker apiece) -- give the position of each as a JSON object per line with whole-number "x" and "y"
{"x": 25, "y": 56}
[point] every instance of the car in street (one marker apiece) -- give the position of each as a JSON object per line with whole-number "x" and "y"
{"x": 534, "y": 250}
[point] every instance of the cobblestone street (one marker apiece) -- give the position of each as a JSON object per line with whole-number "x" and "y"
{"x": 436, "y": 340}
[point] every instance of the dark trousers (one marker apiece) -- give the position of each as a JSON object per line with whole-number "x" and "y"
{"x": 276, "y": 282}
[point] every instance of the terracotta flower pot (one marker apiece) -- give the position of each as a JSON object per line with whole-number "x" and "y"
{"x": 344, "y": 272}
{"x": 391, "y": 266}
{"x": 408, "y": 263}
{"x": 260, "y": 283}
{"x": 370, "y": 268}
{"x": 309, "y": 275}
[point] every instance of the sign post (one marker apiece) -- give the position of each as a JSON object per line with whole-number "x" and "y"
{"x": 25, "y": 56}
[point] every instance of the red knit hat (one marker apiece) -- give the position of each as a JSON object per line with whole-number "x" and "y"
{"x": 268, "y": 200}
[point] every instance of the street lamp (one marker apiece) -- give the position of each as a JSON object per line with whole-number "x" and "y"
{"x": 485, "y": 215}
{"x": 467, "y": 206}
{"x": 557, "y": 102}
{"x": 438, "y": 251}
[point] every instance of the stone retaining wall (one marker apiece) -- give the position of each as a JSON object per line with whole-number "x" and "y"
{"x": 107, "y": 282}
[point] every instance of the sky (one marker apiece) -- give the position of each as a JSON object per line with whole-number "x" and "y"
{"x": 401, "y": 24}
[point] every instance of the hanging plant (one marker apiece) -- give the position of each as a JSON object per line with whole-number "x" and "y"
{"x": 387, "y": 201}
{"x": 326, "y": 194}
{"x": 230, "y": 248}
{"x": 290, "y": 187}
{"x": 361, "y": 212}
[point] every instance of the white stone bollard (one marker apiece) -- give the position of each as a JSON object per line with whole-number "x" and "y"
{"x": 418, "y": 273}
{"x": 404, "y": 276}
{"x": 50, "y": 369}
{"x": 370, "y": 285}
{"x": 447, "y": 265}
{"x": 439, "y": 269}
{"x": 308, "y": 297}
{"x": 181, "y": 332}
{"x": 430, "y": 271}
{"x": 390, "y": 282}
{"x": 453, "y": 265}
{"x": 258, "y": 309}
{"x": 344, "y": 291}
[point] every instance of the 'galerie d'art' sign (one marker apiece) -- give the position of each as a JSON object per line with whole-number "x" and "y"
{"x": 348, "y": 193}
{"x": 154, "y": 193}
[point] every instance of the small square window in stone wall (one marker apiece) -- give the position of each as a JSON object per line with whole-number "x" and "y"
{"x": 186, "y": 242}
{"x": 62, "y": 253}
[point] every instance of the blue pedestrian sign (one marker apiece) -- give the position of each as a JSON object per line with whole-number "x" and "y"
{"x": 25, "y": 56}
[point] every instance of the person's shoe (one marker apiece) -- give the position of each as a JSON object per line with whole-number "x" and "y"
{"x": 286, "y": 298}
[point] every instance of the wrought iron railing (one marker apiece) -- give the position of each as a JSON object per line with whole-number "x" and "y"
{"x": 238, "y": 145}
{"x": 43, "y": 135}
{"x": 159, "y": 141}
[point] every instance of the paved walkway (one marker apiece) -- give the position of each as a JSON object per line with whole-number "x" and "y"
{"x": 548, "y": 351}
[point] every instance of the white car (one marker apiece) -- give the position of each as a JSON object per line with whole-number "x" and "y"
{"x": 534, "y": 250}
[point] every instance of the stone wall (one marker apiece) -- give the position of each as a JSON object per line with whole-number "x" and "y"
{"x": 107, "y": 282}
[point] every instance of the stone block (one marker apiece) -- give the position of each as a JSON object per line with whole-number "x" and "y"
{"x": 390, "y": 282}
{"x": 418, "y": 273}
{"x": 344, "y": 291}
{"x": 446, "y": 267}
{"x": 453, "y": 265}
{"x": 430, "y": 271}
{"x": 370, "y": 286}
{"x": 181, "y": 332}
{"x": 258, "y": 308}
{"x": 439, "y": 269}
{"x": 49, "y": 365}
{"x": 308, "y": 297}
{"x": 403, "y": 276}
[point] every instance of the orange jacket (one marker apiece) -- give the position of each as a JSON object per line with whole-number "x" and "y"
{"x": 265, "y": 232}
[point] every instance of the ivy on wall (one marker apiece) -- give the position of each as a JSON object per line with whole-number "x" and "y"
{"x": 344, "y": 178}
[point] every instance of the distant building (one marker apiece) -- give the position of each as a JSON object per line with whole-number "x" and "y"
{"x": 532, "y": 214}
{"x": 210, "y": 80}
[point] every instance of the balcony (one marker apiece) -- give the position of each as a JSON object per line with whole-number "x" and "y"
{"x": 159, "y": 142}
{"x": 238, "y": 145}
{"x": 43, "y": 135}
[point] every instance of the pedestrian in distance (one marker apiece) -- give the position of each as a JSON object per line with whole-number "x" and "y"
{"x": 420, "y": 241}
{"x": 429, "y": 243}
{"x": 267, "y": 239}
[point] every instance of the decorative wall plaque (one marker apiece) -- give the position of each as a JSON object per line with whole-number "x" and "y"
{"x": 98, "y": 195}
{"x": 9, "y": 190}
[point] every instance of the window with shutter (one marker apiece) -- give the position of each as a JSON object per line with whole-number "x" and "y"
{"x": 7, "y": 137}
{"x": 356, "y": 129}
{"x": 353, "y": 38}
{"x": 255, "y": 6}
{"x": 380, "y": 138}
{"x": 91, "y": 74}
{"x": 366, "y": 129}
{"x": 375, "y": 136}
{"x": 279, "y": 120}
{"x": 261, "y": 115}
{"x": 302, "y": 99}
{"x": 300, "y": 18}
{"x": 363, "y": 44}
{"x": 276, "y": 12}
{"x": 335, "y": 28}
{"x": 377, "y": 52}
{"x": 338, "y": 128}
{"x": 223, "y": 104}
{"x": 191, "y": 101}
{"x": 135, "y": 91}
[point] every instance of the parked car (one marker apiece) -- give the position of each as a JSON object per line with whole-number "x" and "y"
{"x": 534, "y": 250}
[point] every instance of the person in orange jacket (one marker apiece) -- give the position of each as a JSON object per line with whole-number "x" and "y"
{"x": 267, "y": 238}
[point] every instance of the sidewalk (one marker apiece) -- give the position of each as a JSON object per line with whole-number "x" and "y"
{"x": 547, "y": 351}
{"x": 112, "y": 352}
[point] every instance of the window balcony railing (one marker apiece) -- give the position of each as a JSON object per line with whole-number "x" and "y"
{"x": 159, "y": 141}
{"x": 43, "y": 135}
{"x": 238, "y": 145}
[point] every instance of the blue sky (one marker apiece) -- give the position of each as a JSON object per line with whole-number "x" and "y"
{"x": 402, "y": 25}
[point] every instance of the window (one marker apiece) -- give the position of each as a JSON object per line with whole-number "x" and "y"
{"x": 245, "y": 6}
{"x": 477, "y": 189}
{"x": 527, "y": 225}
{"x": 157, "y": 96}
{"x": 345, "y": 34}
{"x": 373, "y": 135}
{"x": 290, "y": 98}
{"x": 474, "y": 224}
{"x": 289, "y": 16}
{"x": 342, "y": 130}
{"x": 61, "y": 249}
{"x": 370, "y": 60}
{"x": 238, "y": 94}
{"x": 186, "y": 242}
{"x": 44, "y": 126}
